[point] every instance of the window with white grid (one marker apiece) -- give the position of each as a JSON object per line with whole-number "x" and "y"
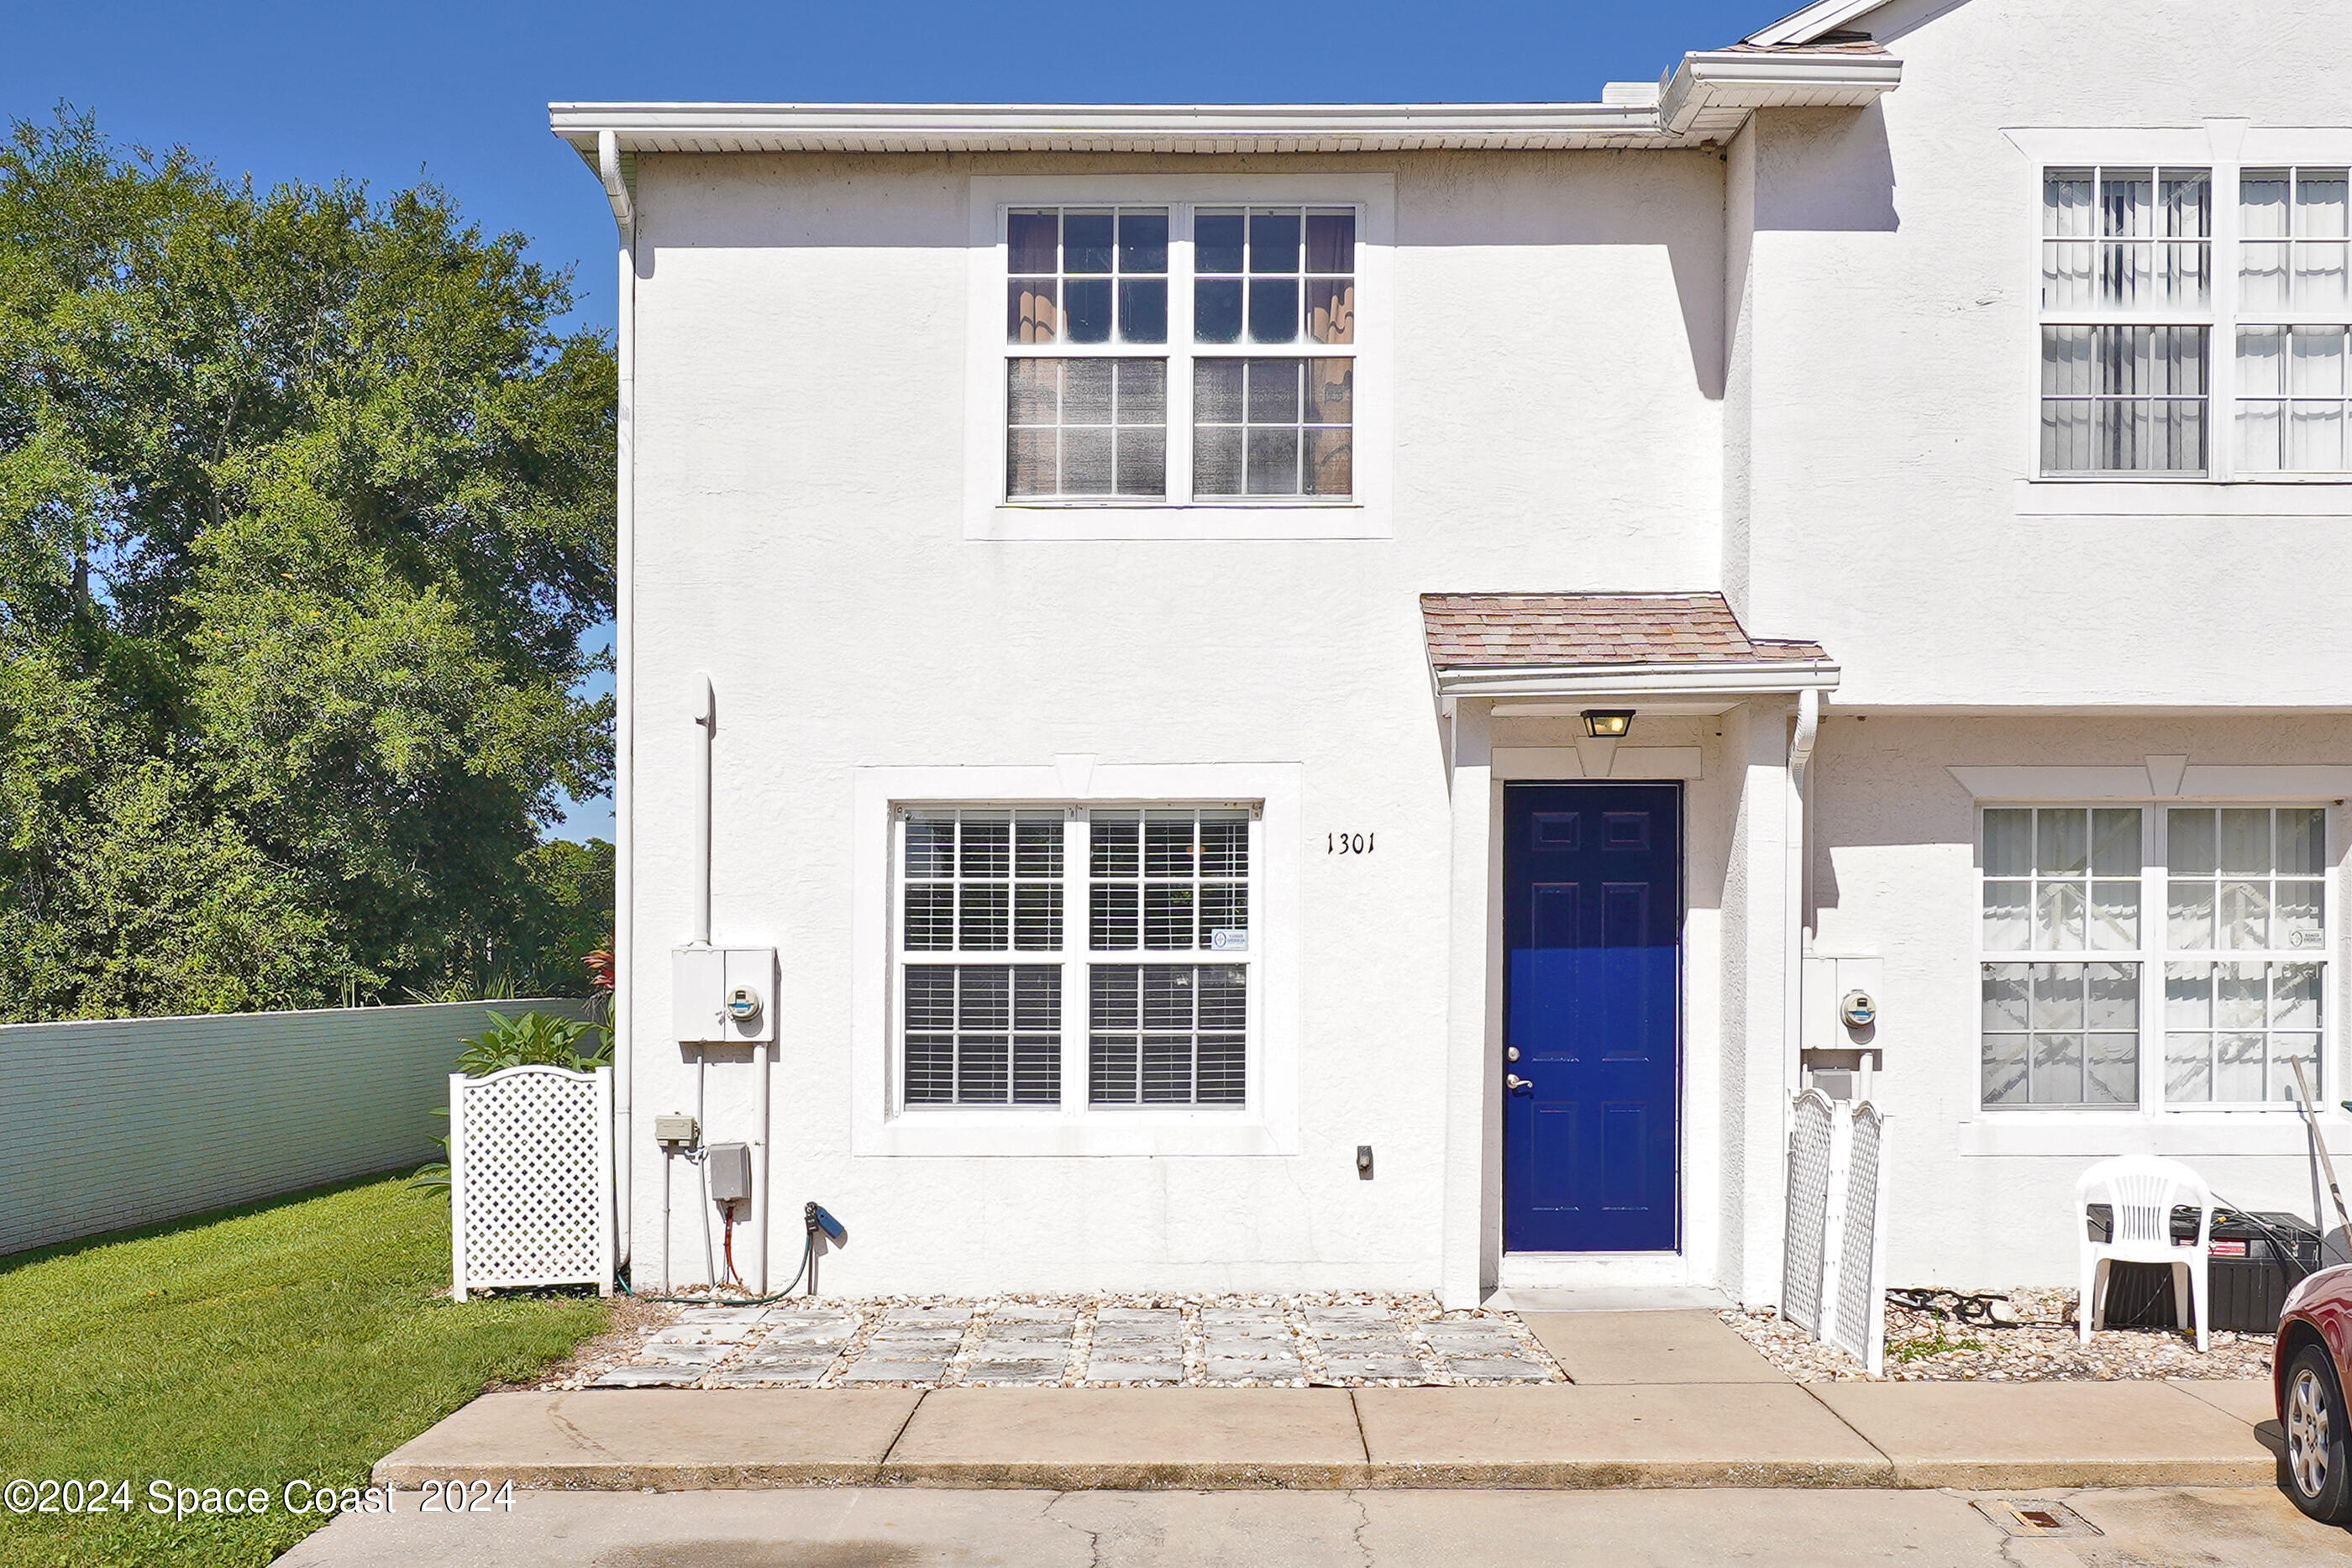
{"x": 1074, "y": 957}
{"x": 2295, "y": 310}
{"x": 2195, "y": 323}
{"x": 2087, "y": 910}
{"x": 2127, "y": 312}
{"x": 1180, "y": 353}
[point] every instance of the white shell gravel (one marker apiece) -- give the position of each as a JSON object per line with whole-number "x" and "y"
{"x": 2042, "y": 1346}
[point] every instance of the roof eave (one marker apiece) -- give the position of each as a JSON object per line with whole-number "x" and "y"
{"x": 1683, "y": 678}
{"x": 1809, "y": 22}
{"x": 1731, "y": 84}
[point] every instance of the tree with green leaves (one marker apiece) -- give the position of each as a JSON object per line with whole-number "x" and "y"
{"x": 305, "y": 504}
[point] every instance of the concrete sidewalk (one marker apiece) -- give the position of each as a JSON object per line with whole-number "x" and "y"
{"x": 1751, "y": 1433}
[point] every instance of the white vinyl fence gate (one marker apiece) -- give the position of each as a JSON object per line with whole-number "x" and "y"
{"x": 530, "y": 1179}
{"x": 1833, "y": 1281}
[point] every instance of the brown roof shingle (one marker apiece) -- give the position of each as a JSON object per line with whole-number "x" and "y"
{"x": 1501, "y": 630}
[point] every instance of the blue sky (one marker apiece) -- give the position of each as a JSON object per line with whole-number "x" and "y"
{"x": 457, "y": 93}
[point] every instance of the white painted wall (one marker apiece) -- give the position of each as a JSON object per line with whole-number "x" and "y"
{"x": 1893, "y": 289}
{"x": 1801, "y": 370}
{"x": 1982, "y": 1199}
{"x": 801, "y": 425}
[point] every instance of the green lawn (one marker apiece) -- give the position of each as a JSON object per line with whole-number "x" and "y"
{"x": 299, "y": 1338}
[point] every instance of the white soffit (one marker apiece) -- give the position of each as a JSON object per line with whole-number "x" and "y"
{"x": 1706, "y": 98}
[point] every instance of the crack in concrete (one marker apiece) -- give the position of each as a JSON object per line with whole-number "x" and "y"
{"x": 578, "y": 1439}
{"x": 1094, "y": 1537}
{"x": 1363, "y": 1522}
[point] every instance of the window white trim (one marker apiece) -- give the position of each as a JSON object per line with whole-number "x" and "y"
{"x": 1368, "y": 514}
{"x": 2227, "y": 147}
{"x": 1983, "y": 1133}
{"x": 1266, "y": 1125}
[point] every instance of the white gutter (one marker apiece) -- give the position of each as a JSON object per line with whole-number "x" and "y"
{"x": 1735, "y": 81}
{"x": 616, "y": 189}
{"x": 1744, "y": 679}
{"x": 625, "y": 665}
{"x": 1792, "y": 985}
{"x": 1742, "y": 80}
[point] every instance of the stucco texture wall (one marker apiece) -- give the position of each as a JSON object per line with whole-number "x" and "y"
{"x": 1892, "y": 350}
{"x": 800, "y": 422}
{"x": 1894, "y": 877}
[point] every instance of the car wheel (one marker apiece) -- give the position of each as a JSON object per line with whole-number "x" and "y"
{"x": 2313, "y": 1468}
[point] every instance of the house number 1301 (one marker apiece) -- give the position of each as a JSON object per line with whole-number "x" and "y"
{"x": 1348, "y": 843}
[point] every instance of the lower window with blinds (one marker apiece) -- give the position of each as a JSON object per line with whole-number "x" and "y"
{"x": 1084, "y": 959}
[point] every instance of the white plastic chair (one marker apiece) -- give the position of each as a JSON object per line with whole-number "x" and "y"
{"x": 2140, "y": 1192}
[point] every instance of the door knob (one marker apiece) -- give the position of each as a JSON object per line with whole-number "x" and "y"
{"x": 1514, "y": 1082}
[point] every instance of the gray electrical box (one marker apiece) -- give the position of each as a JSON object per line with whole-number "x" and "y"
{"x": 730, "y": 1173}
{"x": 673, "y": 1128}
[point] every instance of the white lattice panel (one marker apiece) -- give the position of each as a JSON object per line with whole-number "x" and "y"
{"x": 1811, "y": 1132}
{"x": 530, "y": 1179}
{"x": 1858, "y": 1316}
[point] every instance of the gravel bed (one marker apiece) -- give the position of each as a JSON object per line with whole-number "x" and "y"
{"x": 2042, "y": 1346}
{"x": 1324, "y": 1340}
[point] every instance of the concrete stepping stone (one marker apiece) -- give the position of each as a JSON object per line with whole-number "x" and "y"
{"x": 984, "y": 1374}
{"x": 753, "y": 1375}
{"x": 639, "y": 1375}
{"x": 1511, "y": 1367}
{"x": 1390, "y": 1366}
{"x": 1100, "y": 1370}
{"x": 928, "y": 1315}
{"x": 707, "y": 1334}
{"x": 655, "y": 1355}
{"x": 1021, "y": 1350}
{"x": 814, "y": 1331}
{"x": 1228, "y": 1369}
{"x": 868, "y": 1370}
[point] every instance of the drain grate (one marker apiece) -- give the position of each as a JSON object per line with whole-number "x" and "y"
{"x": 2034, "y": 1516}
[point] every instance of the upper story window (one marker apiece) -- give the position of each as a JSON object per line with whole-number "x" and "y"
{"x": 1179, "y": 353}
{"x": 2293, "y": 310}
{"x": 2194, "y": 331}
{"x": 2196, "y": 936}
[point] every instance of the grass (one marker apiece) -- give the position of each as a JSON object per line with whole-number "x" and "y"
{"x": 299, "y": 1338}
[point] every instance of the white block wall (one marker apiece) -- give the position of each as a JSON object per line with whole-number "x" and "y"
{"x": 115, "y": 1122}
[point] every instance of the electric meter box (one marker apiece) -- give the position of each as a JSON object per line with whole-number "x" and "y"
{"x": 723, "y": 993}
{"x": 1828, "y": 982}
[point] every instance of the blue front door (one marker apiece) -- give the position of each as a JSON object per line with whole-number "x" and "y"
{"x": 1593, "y": 1027}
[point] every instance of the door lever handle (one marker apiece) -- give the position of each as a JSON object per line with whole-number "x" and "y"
{"x": 1514, "y": 1082}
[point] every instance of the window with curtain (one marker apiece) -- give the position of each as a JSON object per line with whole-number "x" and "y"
{"x": 2294, "y": 311}
{"x": 1181, "y": 353}
{"x": 1130, "y": 925}
{"x": 2174, "y": 346}
{"x": 2126, "y": 303}
{"x": 2085, "y": 911}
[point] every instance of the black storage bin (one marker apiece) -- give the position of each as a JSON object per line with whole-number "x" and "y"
{"x": 2250, "y": 1274}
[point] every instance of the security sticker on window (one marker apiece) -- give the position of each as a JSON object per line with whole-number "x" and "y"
{"x": 1229, "y": 939}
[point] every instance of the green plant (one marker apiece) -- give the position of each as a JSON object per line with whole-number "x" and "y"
{"x": 534, "y": 1040}
{"x": 1929, "y": 1344}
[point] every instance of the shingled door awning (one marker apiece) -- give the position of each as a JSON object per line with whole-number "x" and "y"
{"x": 1608, "y": 644}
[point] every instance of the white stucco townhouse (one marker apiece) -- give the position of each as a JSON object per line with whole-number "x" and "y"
{"x": 1295, "y": 686}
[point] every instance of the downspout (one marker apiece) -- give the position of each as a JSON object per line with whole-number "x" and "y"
{"x": 706, "y": 717}
{"x": 1800, "y": 758}
{"x": 625, "y": 558}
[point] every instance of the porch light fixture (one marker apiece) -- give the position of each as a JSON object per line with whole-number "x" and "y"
{"x": 1607, "y": 722}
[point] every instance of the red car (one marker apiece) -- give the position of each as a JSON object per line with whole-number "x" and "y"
{"x": 2308, "y": 1375}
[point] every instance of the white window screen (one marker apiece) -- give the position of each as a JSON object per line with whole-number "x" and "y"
{"x": 2076, "y": 913}
{"x": 993, "y": 961}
